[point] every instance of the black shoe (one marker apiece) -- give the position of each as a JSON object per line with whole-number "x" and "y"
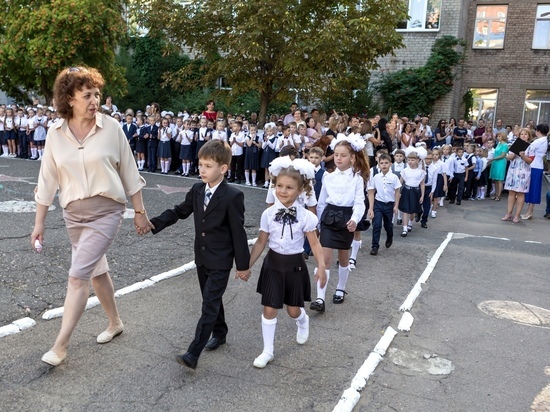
{"x": 338, "y": 299}
{"x": 318, "y": 305}
{"x": 239, "y": 181}
{"x": 451, "y": 202}
{"x": 389, "y": 241}
{"x": 424, "y": 225}
{"x": 177, "y": 172}
{"x": 404, "y": 233}
{"x": 187, "y": 359}
{"x": 458, "y": 202}
{"x": 374, "y": 251}
{"x": 214, "y": 343}
{"x": 417, "y": 217}
{"x": 399, "y": 221}
{"x": 231, "y": 180}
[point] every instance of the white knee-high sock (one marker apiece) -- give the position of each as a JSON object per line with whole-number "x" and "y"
{"x": 253, "y": 177}
{"x": 355, "y": 246}
{"x": 399, "y": 215}
{"x": 268, "y": 334}
{"x": 246, "y": 176}
{"x": 321, "y": 292}
{"x": 343, "y": 273}
{"x": 168, "y": 163}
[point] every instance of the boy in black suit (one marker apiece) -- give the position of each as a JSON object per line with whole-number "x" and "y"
{"x": 220, "y": 238}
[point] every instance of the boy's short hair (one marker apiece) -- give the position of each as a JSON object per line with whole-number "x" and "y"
{"x": 216, "y": 150}
{"x": 381, "y": 152}
{"x": 384, "y": 156}
{"x": 286, "y": 127}
{"x": 316, "y": 150}
{"x": 293, "y": 124}
{"x": 401, "y": 152}
{"x": 239, "y": 123}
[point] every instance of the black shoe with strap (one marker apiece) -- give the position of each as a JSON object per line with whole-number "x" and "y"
{"x": 318, "y": 305}
{"x": 337, "y": 299}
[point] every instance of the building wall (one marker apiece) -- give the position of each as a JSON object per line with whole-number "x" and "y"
{"x": 512, "y": 70}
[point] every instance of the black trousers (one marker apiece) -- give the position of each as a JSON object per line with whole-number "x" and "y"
{"x": 237, "y": 164}
{"x": 426, "y": 204}
{"x": 212, "y": 321}
{"x": 456, "y": 188}
{"x": 468, "y": 186}
{"x": 23, "y": 145}
{"x": 383, "y": 212}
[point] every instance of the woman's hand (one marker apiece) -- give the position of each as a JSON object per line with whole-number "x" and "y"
{"x": 37, "y": 234}
{"x": 142, "y": 224}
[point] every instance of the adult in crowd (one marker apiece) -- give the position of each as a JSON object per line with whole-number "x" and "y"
{"x": 460, "y": 133}
{"x": 93, "y": 203}
{"x": 518, "y": 178}
{"x": 109, "y": 106}
{"x": 290, "y": 116}
{"x": 534, "y": 155}
{"x": 499, "y": 126}
{"x": 311, "y": 132}
{"x": 441, "y": 133}
{"x": 382, "y": 135}
{"x": 479, "y": 131}
{"x": 498, "y": 165}
{"x": 210, "y": 113}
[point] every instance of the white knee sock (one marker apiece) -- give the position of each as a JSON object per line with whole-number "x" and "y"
{"x": 302, "y": 322}
{"x": 343, "y": 273}
{"x": 33, "y": 152}
{"x": 321, "y": 292}
{"x": 399, "y": 215}
{"x": 168, "y": 163}
{"x": 268, "y": 334}
{"x": 187, "y": 166}
{"x": 246, "y": 176}
{"x": 5, "y": 150}
{"x": 40, "y": 152}
{"x": 355, "y": 246}
{"x": 253, "y": 177}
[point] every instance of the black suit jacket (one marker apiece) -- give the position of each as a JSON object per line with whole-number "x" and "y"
{"x": 219, "y": 230}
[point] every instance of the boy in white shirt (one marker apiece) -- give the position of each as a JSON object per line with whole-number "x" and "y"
{"x": 236, "y": 141}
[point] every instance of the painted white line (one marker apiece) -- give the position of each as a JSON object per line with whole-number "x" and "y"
{"x": 497, "y": 238}
{"x": 351, "y": 396}
{"x": 17, "y": 326}
{"x": 533, "y": 241}
{"x": 417, "y": 288}
{"x": 406, "y": 322}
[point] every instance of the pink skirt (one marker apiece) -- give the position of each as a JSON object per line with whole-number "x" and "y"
{"x": 92, "y": 225}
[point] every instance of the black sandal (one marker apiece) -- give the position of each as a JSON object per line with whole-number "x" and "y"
{"x": 339, "y": 299}
{"x": 318, "y": 305}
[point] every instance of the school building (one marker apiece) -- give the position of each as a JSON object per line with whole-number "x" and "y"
{"x": 507, "y": 56}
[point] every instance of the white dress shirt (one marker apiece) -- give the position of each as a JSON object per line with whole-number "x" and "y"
{"x": 345, "y": 189}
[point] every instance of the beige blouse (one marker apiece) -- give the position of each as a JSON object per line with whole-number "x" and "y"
{"x": 101, "y": 165}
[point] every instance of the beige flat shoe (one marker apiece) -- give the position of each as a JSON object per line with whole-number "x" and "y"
{"x": 52, "y": 358}
{"x": 106, "y": 336}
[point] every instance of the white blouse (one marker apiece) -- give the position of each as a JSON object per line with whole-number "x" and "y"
{"x": 538, "y": 149}
{"x": 287, "y": 238}
{"x": 413, "y": 177}
{"x": 343, "y": 188}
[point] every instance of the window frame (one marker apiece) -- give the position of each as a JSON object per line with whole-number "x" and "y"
{"x": 425, "y": 12}
{"x": 540, "y": 19}
{"x": 537, "y": 100}
{"x": 490, "y": 21}
{"x": 479, "y": 105}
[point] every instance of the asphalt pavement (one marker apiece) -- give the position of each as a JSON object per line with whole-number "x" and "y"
{"x": 456, "y": 357}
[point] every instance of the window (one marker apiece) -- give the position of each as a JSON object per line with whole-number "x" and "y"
{"x": 541, "y": 35}
{"x": 485, "y": 101}
{"x": 423, "y": 15}
{"x": 490, "y": 26}
{"x": 537, "y": 107}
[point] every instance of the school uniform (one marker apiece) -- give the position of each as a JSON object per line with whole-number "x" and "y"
{"x": 220, "y": 239}
{"x": 468, "y": 186}
{"x": 318, "y": 183}
{"x": 237, "y": 158}
{"x": 129, "y": 131}
{"x": 268, "y": 146}
{"x": 252, "y": 154}
{"x": 186, "y": 137}
{"x": 152, "y": 147}
{"x": 477, "y": 176}
{"x": 219, "y": 135}
{"x": 203, "y": 136}
{"x": 9, "y": 129}
{"x": 457, "y": 173}
{"x": 439, "y": 171}
{"x": 342, "y": 198}
{"x": 430, "y": 185}
{"x": 164, "y": 151}
{"x": 384, "y": 186}
{"x": 397, "y": 168}
{"x": 141, "y": 141}
{"x": 21, "y": 125}
{"x": 284, "y": 277}
{"x": 409, "y": 201}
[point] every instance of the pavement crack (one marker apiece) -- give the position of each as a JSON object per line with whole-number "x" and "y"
{"x": 541, "y": 322}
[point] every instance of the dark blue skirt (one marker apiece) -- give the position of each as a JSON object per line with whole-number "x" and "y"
{"x": 284, "y": 279}
{"x": 141, "y": 146}
{"x": 267, "y": 157}
{"x": 334, "y": 233}
{"x": 164, "y": 151}
{"x": 409, "y": 202}
{"x": 251, "y": 158}
{"x": 185, "y": 152}
{"x": 439, "y": 192}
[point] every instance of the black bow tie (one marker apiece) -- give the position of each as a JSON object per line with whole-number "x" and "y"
{"x": 286, "y": 216}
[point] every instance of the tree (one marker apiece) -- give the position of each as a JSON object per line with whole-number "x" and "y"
{"x": 411, "y": 91}
{"x": 39, "y": 38}
{"x": 272, "y": 46}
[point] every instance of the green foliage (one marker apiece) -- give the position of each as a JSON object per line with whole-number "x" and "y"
{"x": 411, "y": 91}
{"x": 40, "y": 38}
{"x": 468, "y": 102}
{"x": 359, "y": 102}
{"x": 273, "y": 46}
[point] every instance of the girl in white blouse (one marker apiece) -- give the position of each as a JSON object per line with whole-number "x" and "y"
{"x": 341, "y": 205}
{"x": 412, "y": 192}
{"x": 284, "y": 278}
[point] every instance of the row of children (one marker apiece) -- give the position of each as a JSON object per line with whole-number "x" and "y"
{"x": 23, "y": 131}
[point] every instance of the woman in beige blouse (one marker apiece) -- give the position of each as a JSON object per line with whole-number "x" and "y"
{"x": 89, "y": 160}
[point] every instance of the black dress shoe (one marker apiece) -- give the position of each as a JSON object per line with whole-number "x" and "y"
{"x": 389, "y": 241}
{"x": 424, "y": 225}
{"x": 318, "y": 305}
{"x": 214, "y": 343}
{"x": 458, "y": 202}
{"x": 451, "y": 202}
{"x": 336, "y": 299}
{"x": 417, "y": 217}
{"x": 187, "y": 359}
{"x": 374, "y": 251}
